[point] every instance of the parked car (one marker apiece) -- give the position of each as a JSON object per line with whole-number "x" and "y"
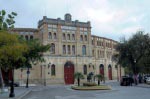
{"x": 126, "y": 81}
{"x": 148, "y": 80}
{"x": 145, "y": 78}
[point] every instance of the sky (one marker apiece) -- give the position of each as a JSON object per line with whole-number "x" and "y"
{"x": 112, "y": 19}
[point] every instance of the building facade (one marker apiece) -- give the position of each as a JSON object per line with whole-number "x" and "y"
{"x": 73, "y": 49}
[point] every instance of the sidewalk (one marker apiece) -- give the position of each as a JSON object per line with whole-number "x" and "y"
{"x": 19, "y": 93}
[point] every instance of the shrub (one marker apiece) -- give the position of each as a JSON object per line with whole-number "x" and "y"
{"x": 89, "y": 84}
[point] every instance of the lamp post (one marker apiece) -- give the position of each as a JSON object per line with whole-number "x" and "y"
{"x": 1, "y": 80}
{"x": 12, "y": 94}
{"x": 21, "y": 76}
{"x": 28, "y": 72}
{"x": 116, "y": 66}
{"x": 135, "y": 72}
{"x": 44, "y": 75}
{"x": 134, "y": 65}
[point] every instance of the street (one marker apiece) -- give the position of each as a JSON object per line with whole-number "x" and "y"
{"x": 64, "y": 92}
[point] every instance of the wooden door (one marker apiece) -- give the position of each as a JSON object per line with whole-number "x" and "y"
{"x": 109, "y": 72}
{"x": 69, "y": 73}
{"x": 101, "y": 69}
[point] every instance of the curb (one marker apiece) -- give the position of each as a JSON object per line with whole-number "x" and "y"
{"x": 144, "y": 86}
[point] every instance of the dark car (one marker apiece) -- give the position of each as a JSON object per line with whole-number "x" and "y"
{"x": 126, "y": 81}
{"x": 16, "y": 84}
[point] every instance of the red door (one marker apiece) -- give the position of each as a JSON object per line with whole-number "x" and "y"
{"x": 101, "y": 69}
{"x": 7, "y": 75}
{"x": 109, "y": 72}
{"x": 69, "y": 73}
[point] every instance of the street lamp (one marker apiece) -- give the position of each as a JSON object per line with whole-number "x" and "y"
{"x": 44, "y": 75}
{"x": 135, "y": 72}
{"x": 134, "y": 65}
{"x": 12, "y": 94}
{"x": 28, "y": 72}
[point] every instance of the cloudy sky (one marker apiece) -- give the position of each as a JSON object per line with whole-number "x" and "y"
{"x": 109, "y": 18}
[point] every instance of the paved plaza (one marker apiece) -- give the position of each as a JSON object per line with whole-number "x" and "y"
{"x": 141, "y": 91}
{"x": 64, "y": 92}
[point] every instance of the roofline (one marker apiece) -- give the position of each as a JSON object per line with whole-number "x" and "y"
{"x": 25, "y": 29}
{"x": 104, "y": 38}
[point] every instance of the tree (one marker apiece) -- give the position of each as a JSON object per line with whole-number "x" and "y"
{"x": 90, "y": 76}
{"x": 34, "y": 54}
{"x": 99, "y": 77}
{"x": 78, "y": 76}
{"x": 11, "y": 54}
{"x": 7, "y": 22}
{"x": 132, "y": 51}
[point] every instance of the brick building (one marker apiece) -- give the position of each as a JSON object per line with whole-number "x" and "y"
{"x": 73, "y": 49}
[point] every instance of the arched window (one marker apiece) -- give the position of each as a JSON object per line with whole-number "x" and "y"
{"x": 98, "y": 52}
{"x": 64, "y": 49}
{"x": 84, "y": 69}
{"x": 64, "y": 36}
{"x": 73, "y": 37}
{"x": 81, "y": 37}
{"x": 69, "y": 52}
{"x": 83, "y": 50}
{"x": 53, "y": 70}
{"x": 68, "y": 36}
{"x": 73, "y": 50}
{"x": 55, "y": 37}
{"x": 50, "y": 35}
{"x": 52, "y": 48}
{"x": 31, "y": 37}
{"x": 26, "y": 37}
{"x": 85, "y": 37}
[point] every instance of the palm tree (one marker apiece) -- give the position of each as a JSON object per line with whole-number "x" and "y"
{"x": 99, "y": 77}
{"x": 78, "y": 76}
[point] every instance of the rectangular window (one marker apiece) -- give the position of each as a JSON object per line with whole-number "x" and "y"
{"x": 69, "y": 52}
{"x": 64, "y": 36}
{"x": 73, "y": 37}
{"x": 73, "y": 50}
{"x": 64, "y": 49}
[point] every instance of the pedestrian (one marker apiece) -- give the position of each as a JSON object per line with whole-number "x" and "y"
{"x": 130, "y": 80}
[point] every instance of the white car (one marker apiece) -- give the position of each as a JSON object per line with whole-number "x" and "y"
{"x": 148, "y": 80}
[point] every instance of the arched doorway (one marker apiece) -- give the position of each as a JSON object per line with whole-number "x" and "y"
{"x": 109, "y": 72}
{"x": 6, "y": 76}
{"x": 69, "y": 73}
{"x": 101, "y": 69}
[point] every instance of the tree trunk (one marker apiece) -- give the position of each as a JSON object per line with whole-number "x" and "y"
{"x": 12, "y": 94}
{"x": 78, "y": 82}
{"x": 135, "y": 73}
{"x": 28, "y": 78}
{"x": 98, "y": 82}
{"x": 1, "y": 80}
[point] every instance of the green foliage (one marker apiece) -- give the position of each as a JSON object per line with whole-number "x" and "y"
{"x": 7, "y": 22}
{"x": 35, "y": 52}
{"x": 11, "y": 50}
{"x": 99, "y": 76}
{"x": 90, "y": 76}
{"x": 16, "y": 52}
{"x": 133, "y": 50}
{"x": 78, "y": 75}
